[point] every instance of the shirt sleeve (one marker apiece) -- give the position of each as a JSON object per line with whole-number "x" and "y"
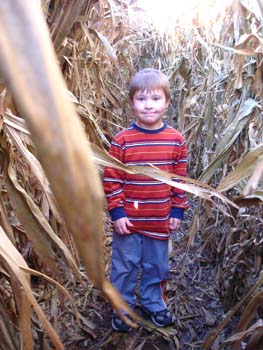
{"x": 179, "y": 197}
{"x": 113, "y": 184}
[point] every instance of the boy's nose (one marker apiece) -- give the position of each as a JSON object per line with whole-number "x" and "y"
{"x": 148, "y": 104}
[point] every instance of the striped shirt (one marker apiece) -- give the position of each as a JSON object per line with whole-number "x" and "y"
{"x": 148, "y": 203}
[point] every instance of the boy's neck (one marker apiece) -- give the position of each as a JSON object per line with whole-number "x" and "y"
{"x": 149, "y": 130}
{"x": 149, "y": 127}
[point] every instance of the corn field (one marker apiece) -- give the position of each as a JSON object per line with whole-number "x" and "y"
{"x": 65, "y": 68}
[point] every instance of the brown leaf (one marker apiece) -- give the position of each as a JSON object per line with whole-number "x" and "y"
{"x": 12, "y": 259}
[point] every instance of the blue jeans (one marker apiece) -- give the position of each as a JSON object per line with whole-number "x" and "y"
{"x": 133, "y": 253}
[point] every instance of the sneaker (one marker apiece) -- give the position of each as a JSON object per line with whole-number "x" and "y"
{"x": 161, "y": 318}
{"x": 119, "y": 325}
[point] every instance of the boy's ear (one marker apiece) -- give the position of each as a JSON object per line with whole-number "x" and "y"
{"x": 167, "y": 102}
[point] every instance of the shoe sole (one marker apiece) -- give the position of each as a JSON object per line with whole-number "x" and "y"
{"x": 155, "y": 322}
{"x": 119, "y": 330}
{"x": 159, "y": 324}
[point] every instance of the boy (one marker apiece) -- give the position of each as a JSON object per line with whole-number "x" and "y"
{"x": 144, "y": 210}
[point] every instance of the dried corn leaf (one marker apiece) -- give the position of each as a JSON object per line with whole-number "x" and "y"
{"x": 32, "y": 220}
{"x": 12, "y": 260}
{"x": 249, "y": 44}
{"x": 248, "y": 314}
{"x": 241, "y": 335}
{"x": 255, "y": 179}
{"x": 244, "y": 169}
{"x": 15, "y": 122}
{"x": 230, "y": 135}
{"x": 108, "y": 48}
{"x": 66, "y": 18}
{"x": 24, "y": 320}
{"x": 255, "y": 340}
{"x": 189, "y": 185}
{"x": 37, "y": 228}
{"x": 253, "y": 198}
{"x": 35, "y": 167}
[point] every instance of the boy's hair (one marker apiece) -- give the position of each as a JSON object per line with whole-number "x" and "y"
{"x": 147, "y": 80}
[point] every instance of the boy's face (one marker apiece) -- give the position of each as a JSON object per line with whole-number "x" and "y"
{"x": 149, "y": 108}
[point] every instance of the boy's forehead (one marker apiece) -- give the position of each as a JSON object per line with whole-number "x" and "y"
{"x": 155, "y": 91}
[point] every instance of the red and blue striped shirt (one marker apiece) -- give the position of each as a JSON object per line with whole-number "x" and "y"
{"x": 148, "y": 203}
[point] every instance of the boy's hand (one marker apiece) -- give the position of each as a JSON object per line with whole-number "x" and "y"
{"x": 121, "y": 226}
{"x": 174, "y": 224}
